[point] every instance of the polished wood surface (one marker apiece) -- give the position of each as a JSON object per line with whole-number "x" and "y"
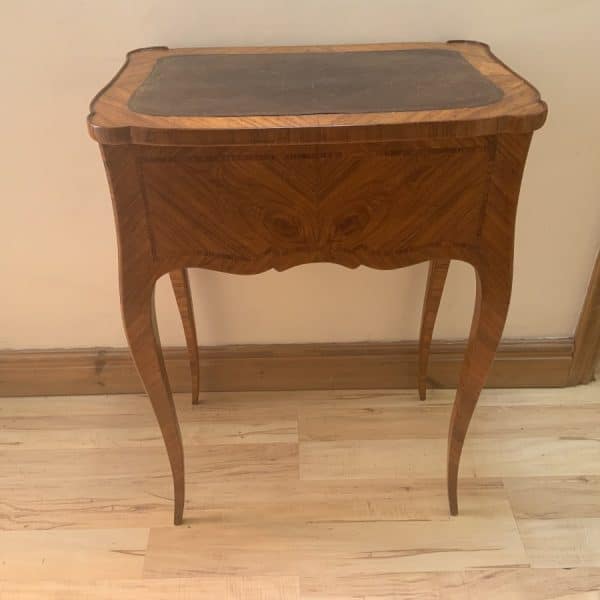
{"x": 438, "y": 270}
{"x": 244, "y": 211}
{"x": 302, "y": 495}
{"x": 494, "y": 284}
{"x": 111, "y": 121}
{"x": 352, "y": 189}
{"x": 183, "y": 295}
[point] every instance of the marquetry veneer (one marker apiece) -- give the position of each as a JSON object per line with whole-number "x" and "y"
{"x": 248, "y": 159}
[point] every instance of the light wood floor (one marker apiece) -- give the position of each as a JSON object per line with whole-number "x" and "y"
{"x": 302, "y": 495}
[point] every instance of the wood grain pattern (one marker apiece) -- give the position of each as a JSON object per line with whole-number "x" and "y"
{"x": 373, "y": 548}
{"x": 555, "y": 497}
{"x": 383, "y": 206}
{"x": 210, "y": 587}
{"x": 82, "y": 515}
{"x": 573, "y": 542}
{"x": 183, "y": 295}
{"x": 492, "y": 584}
{"x": 248, "y": 194}
{"x": 438, "y": 270}
{"x": 377, "y": 235}
{"x": 363, "y": 421}
{"x": 586, "y": 355}
{"x": 137, "y": 304}
{"x": 522, "y": 457}
{"x": 38, "y": 554}
{"x": 370, "y": 365}
{"x": 494, "y": 283}
{"x": 112, "y": 122}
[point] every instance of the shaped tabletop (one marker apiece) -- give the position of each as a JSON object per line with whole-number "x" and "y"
{"x": 312, "y": 94}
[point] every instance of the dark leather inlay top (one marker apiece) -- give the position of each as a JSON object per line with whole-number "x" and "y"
{"x": 311, "y": 83}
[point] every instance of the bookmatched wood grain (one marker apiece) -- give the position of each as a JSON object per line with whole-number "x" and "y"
{"x": 246, "y": 211}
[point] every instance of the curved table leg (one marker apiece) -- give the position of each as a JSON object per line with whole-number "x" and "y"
{"x": 139, "y": 318}
{"x": 438, "y": 269}
{"x": 489, "y": 317}
{"x": 181, "y": 288}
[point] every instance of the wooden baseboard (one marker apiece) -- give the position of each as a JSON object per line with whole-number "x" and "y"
{"x": 519, "y": 363}
{"x": 586, "y": 344}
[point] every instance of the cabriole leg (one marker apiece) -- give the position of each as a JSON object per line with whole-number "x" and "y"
{"x": 438, "y": 269}
{"x": 139, "y": 318}
{"x": 489, "y": 317}
{"x": 181, "y": 288}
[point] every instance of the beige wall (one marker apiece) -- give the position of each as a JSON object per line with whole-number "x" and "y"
{"x": 58, "y": 260}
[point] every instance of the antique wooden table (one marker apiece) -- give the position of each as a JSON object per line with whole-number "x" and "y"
{"x": 247, "y": 159}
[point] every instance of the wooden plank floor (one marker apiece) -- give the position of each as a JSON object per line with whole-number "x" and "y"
{"x": 308, "y": 495}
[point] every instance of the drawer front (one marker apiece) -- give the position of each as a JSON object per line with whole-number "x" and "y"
{"x": 359, "y": 205}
